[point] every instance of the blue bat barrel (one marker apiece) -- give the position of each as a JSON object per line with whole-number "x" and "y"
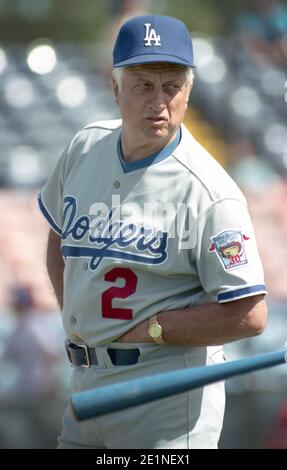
{"x": 100, "y": 401}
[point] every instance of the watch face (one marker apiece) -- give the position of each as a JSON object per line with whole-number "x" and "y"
{"x": 155, "y": 331}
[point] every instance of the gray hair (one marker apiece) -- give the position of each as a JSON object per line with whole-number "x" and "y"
{"x": 118, "y": 76}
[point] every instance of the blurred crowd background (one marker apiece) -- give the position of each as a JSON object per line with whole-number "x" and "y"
{"x": 55, "y": 77}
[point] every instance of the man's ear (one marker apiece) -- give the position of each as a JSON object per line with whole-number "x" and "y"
{"x": 188, "y": 95}
{"x": 115, "y": 87}
{"x": 190, "y": 90}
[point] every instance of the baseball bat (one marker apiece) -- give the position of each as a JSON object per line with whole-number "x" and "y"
{"x": 116, "y": 397}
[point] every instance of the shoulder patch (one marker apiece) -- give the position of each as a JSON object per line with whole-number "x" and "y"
{"x": 229, "y": 247}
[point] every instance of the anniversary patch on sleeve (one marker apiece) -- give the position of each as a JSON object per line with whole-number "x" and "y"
{"x": 229, "y": 247}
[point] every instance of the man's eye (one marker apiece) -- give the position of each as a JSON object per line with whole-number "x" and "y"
{"x": 142, "y": 87}
{"x": 172, "y": 87}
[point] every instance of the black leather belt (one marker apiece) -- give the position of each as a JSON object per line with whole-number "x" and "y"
{"x": 81, "y": 356}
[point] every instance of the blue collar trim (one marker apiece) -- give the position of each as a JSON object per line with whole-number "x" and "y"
{"x": 155, "y": 157}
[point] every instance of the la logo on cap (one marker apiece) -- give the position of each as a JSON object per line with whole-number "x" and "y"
{"x": 150, "y": 35}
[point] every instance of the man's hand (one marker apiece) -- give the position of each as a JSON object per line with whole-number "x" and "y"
{"x": 138, "y": 334}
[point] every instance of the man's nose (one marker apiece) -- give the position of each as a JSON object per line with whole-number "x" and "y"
{"x": 157, "y": 98}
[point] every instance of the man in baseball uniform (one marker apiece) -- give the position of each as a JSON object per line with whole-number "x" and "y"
{"x": 151, "y": 251}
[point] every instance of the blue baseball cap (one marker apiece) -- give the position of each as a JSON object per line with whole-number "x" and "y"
{"x": 153, "y": 38}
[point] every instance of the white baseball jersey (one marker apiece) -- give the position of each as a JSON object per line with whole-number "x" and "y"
{"x": 169, "y": 231}
{"x": 166, "y": 232}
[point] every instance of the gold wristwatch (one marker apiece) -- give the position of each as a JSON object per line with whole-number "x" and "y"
{"x": 155, "y": 330}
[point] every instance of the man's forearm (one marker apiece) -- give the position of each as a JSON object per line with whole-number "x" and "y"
{"x": 208, "y": 324}
{"x": 55, "y": 266}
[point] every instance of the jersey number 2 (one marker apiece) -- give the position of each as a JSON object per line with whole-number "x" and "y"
{"x": 128, "y": 289}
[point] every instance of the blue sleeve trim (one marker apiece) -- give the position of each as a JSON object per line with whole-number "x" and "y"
{"x": 48, "y": 216}
{"x": 244, "y": 292}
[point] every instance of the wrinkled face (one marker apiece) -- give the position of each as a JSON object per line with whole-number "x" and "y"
{"x": 152, "y": 99}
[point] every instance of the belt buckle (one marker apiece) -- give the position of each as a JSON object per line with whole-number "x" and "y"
{"x": 85, "y": 347}
{"x": 87, "y": 356}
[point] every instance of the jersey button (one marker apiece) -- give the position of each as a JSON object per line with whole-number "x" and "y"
{"x": 116, "y": 184}
{"x": 73, "y": 320}
{"x": 85, "y": 266}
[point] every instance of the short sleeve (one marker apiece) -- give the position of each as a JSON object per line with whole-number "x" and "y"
{"x": 226, "y": 252}
{"x": 50, "y": 198}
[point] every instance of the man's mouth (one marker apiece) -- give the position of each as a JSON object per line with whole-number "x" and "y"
{"x": 156, "y": 119}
